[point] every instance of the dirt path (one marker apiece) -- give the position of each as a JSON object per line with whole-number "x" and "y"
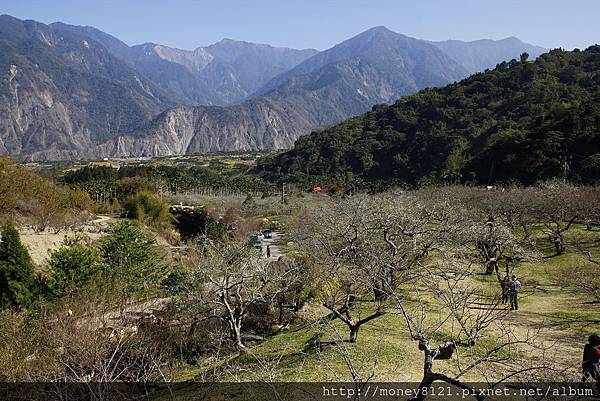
{"x": 272, "y": 243}
{"x": 39, "y": 244}
{"x": 101, "y": 219}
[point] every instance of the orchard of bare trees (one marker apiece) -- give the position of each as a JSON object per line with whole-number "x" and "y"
{"x": 402, "y": 285}
{"x": 425, "y": 256}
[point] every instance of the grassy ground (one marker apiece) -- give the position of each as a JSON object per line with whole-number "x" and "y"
{"x": 558, "y": 319}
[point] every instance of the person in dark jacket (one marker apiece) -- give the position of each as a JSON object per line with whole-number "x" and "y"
{"x": 513, "y": 291}
{"x": 268, "y": 251}
{"x": 591, "y": 359}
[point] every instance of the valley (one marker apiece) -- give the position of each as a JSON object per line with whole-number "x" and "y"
{"x": 291, "y": 201}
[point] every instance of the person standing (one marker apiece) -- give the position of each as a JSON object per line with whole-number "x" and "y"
{"x": 591, "y": 359}
{"x": 268, "y": 251}
{"x": 513, "y": 292}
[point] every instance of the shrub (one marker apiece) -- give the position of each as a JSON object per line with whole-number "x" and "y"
{"x": 28, "y": 196}
{"x": 72, "y": 267}
{"x": 133, "y": 261}
{"x": 17, "y": 282}
{"x": 150, "y": 209}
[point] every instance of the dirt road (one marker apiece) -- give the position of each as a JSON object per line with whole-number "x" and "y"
{"x": 271, "y": 242}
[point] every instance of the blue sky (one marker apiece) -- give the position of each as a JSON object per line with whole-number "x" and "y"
{"x": 320, "y": 24}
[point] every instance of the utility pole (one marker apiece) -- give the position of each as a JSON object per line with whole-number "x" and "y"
{"x": 283, "y": 193}
{"x": 566, "y": 168}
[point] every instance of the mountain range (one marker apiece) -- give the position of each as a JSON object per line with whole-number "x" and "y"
{"x": 76, "y": 92}
{"x": 223, "y": 73}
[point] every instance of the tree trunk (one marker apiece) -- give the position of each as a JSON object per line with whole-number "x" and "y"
{"x": 353, "y": 333}
{"x": 379, "y": 294}
{"x": 235, "y": 329}
{"x": 424, "y": 386}
{"x": 281, "y": 306}
{"x": 559, "y": 245}
{"x": 428, "y": 378}
{"x": 491, "y": 265}
{"x": 237, "y": 335}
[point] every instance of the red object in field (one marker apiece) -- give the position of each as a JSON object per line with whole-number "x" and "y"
{"x": 317, "y": 189}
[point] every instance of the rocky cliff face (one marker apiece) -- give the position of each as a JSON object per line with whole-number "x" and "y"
{"x": 256, "y": 125}
{"x": 60, "y": 94}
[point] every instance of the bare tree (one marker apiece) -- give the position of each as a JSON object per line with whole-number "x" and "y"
{"x": 557, "y": 206}
{"x": 590, "y": 205}
{"x": 236, "y": 280}
{"x": 517, "y": 210}
{"x": 582, "y": 277}
{"x": 463, "y": 315}
{"x": 362, "y": 245}
{"x": 496, "y": 245}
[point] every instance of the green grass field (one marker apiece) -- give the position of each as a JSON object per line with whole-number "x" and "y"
{"x": 557, "y": 319}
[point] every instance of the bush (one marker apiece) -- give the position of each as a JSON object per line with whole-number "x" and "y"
{"x": 181, "y": 281}
{"x": 17, "y": 282}
{"x": 30, "y": 197}
{"x": 133, "y": 261}
{"x": 150, "y": 209}
{"x": 72, "y": 267}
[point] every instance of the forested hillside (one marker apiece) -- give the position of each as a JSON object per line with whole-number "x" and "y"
{"x": 524, "y": 121}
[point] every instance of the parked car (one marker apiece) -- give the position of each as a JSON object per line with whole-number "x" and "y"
{"x": 258, "y": 242}
{"x": 267, "y": 233}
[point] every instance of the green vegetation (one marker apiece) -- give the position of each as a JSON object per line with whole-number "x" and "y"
{"x": 522, "y": 122}
{"x": 148, "y": 208}
{"x": 369, "y": 286}
{"x": 133, "y": 262}
{"x": 104, "y": 183}
{"x": 17, "y": 282}
{"x": 72, "y": 267}
{"x": 227, "y": 314}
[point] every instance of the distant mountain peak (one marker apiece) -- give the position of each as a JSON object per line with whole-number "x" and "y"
{"x": 477, "y": 55}
{"x": 302, "y": 89}
{"x": 229, "y": 41}
{"x": 379, "y": 29}
{"x": 377, "y": 32}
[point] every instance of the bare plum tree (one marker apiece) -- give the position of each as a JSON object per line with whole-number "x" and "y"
{"x": 363, "y": 245}
{"x": 236, "y": 279}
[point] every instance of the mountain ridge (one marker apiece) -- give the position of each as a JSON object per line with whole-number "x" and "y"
{"x": 319, "y": 89}
{"x": 62, "y": 93}
{"x": 454, "y": 52}
{"x": 479, "y": 55}
{"x": 223, "y": 73}
{"x": 373, "y": 67}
